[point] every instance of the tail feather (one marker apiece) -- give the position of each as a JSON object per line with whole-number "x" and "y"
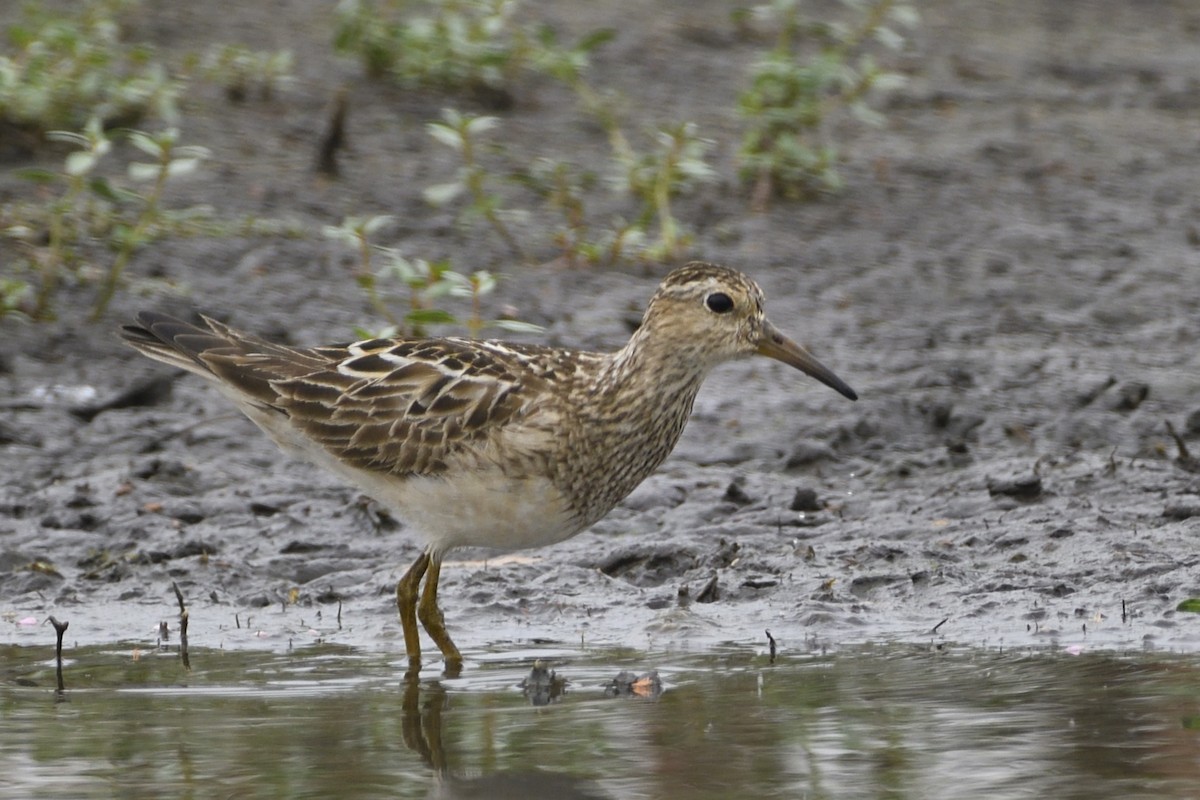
{"x": 172, "y": 341}
{"x": 237, "y": 360}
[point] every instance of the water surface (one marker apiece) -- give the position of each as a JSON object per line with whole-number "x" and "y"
{"x": 869, "y": 722}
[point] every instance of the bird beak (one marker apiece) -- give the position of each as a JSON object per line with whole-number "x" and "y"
{"x": 777, "y": 346}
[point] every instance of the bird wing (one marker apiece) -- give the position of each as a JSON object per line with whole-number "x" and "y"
{"x": 398, "y": 406}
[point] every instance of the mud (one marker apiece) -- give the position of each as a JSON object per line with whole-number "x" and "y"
{"x": 1011, "y": 281}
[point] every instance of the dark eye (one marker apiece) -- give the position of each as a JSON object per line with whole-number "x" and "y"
{"x": 719, "y": 302}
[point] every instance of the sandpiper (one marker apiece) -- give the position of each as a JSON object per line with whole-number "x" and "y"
{"x": 487, "y": 443}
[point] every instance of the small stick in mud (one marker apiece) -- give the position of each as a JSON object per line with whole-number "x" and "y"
{"x": 940, "y": 624}
{"x": 1124, "y": 616}
{"x": 183, "y": 626}
{"x": 334, "y": 138}
{"x": 771, "y": 644}
{"x": 59, "y": 628}
{"x": 339, "y": 614}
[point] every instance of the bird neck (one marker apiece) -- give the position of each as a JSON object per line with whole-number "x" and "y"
{"x": 649, "y": 371}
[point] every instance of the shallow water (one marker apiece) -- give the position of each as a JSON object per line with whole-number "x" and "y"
{"x": 324, "y": 721}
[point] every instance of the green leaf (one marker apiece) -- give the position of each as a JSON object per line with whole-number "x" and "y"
{"x": 445, "y": 134}
{"x": 141, "y": 171}
{"x": 596, "y": 38}
{"x": 442, "y": 193}
{"x": 145, "y": 143}
{"x": 182, "y": 166}
{"x": 80, "y": 162}
{"x": 1191, "y": 605}
{"x": 102, "y": 188}
{"x": 376, "y": 222}
{"x": 516, "y": 326}
{"x": 37, "y": 175}
{"x": 430, "y": 316}
{"x": 481, "y": 125}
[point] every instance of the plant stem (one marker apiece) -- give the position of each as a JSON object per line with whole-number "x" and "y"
{"x": 133, "y": 238}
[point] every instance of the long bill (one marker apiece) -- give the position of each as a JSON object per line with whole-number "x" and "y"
{"x": 779, "y": 347}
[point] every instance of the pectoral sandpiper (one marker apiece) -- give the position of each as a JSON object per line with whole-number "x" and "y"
{"x": 485, "y": 443}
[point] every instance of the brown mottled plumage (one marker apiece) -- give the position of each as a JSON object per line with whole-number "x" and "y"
{"x": 487, "y": 443}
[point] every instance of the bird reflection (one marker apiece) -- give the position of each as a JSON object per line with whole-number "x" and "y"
{"x": 421, "y": 727}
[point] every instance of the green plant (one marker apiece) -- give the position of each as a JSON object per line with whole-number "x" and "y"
{"x": 458, "y": 44}
{"x": 13, "y": 294}
{"x": 460, "y": 132}
{"x": 91, "y": 208}
{"x": 675, "y": 166}
{"x": 354, "y": 232}
{"x": 812, "y": 72}
{"x": 65, "y": 69}
{"x": 170, "y": 160}
{"x": 563, "y": 189}
{"x": 65, "y": 225}
{"x": 424, "y": 284}
{"x": 239, "y": 70}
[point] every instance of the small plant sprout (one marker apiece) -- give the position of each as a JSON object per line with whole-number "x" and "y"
{"x": 561, "y": 187}
{"x": 425, "y": 282}
{"x": 419, "y": 285}
{"x": 459, "y": 45}
{"x": 811, "y": 73}
{"x": 674, "y": 167}
{"x": 239, "y": 70}
{"x": 355, "y": 232}
{"x": 170, "y": 160}
{"x": 475, "y": 286}
{"x": 460, "y": 132}
{"x": 67, "y": 67}
{"x": 569, "y": 66}
{"x": 92, "y": 146}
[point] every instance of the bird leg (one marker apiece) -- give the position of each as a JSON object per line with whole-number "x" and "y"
{"x": 406, "y": 603}
{"x": 431, "y": 615}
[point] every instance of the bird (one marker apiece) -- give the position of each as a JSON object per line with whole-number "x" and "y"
{"x": 486, "y": 443}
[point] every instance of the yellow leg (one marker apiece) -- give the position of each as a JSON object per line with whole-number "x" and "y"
{"x": 431, "y": 615}
{"x": 406, "y": 603}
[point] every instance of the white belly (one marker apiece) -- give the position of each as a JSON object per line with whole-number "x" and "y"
{"x": 463, "y": 508}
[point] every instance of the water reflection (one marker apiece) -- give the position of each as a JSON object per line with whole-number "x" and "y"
{"x": 422, "y": 727}
{"x": 333, "y": 722}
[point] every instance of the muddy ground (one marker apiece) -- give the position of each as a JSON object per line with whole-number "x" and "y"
{"x": 1011, "y": 281}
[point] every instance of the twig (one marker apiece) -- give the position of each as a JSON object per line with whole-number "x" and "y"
{"x": 59, "y": 628}
{"x": 335, "y": 136}
{"x": 940, "y": 624}
{"x": 183, "y": 626}
{"x": 771, "y": 644}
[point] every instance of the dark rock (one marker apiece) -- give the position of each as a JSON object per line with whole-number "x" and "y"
{"x": 297, "y": 547}
{"x": 1028, "y": 487}
{"x": 1131, "y": 395}
{"x": 805, "y": 499}
{"x": 1181, "y": 511}
{"x": 734, "y": 493}
{"x": 194, "y": 548}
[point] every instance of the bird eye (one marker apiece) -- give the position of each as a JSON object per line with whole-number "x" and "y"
{"x": 719, "y": 303}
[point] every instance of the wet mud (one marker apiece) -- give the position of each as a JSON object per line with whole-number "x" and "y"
{"x": 1010, "y": 280}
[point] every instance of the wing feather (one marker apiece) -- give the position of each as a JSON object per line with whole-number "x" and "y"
{"x": 400, "y": 406}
